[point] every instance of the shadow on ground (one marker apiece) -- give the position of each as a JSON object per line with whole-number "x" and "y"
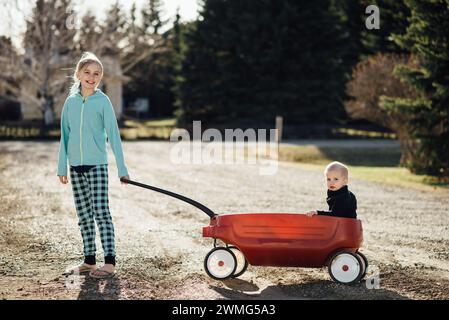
{"x": 237, "y": 289}
{"x": 105, "y": 289}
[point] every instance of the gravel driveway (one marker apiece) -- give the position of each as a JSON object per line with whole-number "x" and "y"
{"x": 159, "y": 243}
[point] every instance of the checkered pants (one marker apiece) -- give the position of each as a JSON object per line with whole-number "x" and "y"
{"x": 90, "y": 192}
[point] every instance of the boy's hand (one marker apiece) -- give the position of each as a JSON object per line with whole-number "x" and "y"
{"x": 312, "y": 213}
{"x": 63, "y": 179}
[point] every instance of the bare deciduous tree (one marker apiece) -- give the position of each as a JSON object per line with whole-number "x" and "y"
{"x": 372, "y": 79}
{"x": 51, "y": 45}
{"x": 129, "y": 42}
{"x": 37, "y": 73}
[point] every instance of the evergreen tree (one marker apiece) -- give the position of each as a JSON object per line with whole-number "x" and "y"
{"x": 132, "y": 28}
{"x": 255, "y": 59}
{"x": 114, "y": 29}
{"x": 352, "y": 26}
{"x": 152, "y": 16}
{"x": 361, "y": 42}
{"x": 394, "y": 16}
{"x": 103, "y": 38}
{"x": 89, "y": 33}
{"x": 428, "y": 38}
{"x": 152, "y": 78}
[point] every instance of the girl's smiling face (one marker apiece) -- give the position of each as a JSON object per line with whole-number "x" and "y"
{"x": 90, "y": 76}
{"x": 336, "y": 180}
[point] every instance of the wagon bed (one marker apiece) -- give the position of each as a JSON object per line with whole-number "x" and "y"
{"x": 286, "y": 239}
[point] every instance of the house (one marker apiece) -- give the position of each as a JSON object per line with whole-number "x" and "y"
{"x": 112, "y": 85}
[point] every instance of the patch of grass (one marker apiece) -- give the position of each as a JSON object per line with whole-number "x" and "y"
{"x": 364, "y": 133}
{"x": 164, "y": 122}
{"x": 397, "y": 176}
{"x": 133, "y": 129}
{"x": 148, "y": 129}
{"x": 158, "y": 133}
{"x": 12, "y": 131}
{"x": 372, "y": 164}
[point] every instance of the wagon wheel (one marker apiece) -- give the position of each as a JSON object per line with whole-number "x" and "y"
{"x": 242, "y": 264}
{"x": 346, "y": 267}
{"x": 365, "y": 262}
{"x": 220, "y": 263}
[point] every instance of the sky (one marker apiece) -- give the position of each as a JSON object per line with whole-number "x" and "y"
{"x": 13, "y": 24}
{"x": 188, "y": 8}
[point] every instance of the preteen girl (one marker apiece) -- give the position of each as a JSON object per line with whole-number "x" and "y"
{"x": 87, "y": 122}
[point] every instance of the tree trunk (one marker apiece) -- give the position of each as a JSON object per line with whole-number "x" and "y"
{"x": 48, "y": 114}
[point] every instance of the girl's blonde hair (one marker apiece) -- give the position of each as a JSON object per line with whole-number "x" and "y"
{"x": 86, "y": 58}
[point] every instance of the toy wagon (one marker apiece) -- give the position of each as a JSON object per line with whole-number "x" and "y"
{"x": 280, "y": 240}
{"x": 285, "y": 240}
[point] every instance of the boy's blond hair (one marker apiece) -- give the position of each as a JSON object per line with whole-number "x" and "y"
{"x": 337, "y": 166}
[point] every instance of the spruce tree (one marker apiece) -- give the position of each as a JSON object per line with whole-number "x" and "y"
{"x": 393, "y": 20}
{"x": 152, "y": 77}
{"x": 352, "y": 25}
{"x": 152, "y": 16}
{"x": 248, "y": 61}
{"x": 428, "y": 38}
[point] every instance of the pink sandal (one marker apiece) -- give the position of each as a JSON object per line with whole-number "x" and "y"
{"x": 105, "y": 275}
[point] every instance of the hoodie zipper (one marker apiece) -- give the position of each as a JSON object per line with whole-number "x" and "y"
{"x": 81, "y": 131}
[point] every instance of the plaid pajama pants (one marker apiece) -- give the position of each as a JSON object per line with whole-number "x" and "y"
{"x": 90, "y": 192}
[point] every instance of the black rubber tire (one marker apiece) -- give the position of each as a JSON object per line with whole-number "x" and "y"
{"x": 207, "y": 257}
{"x": 365, "y": 260}
{"x": 359, "y": 260}
{"x": 245, "y": 265}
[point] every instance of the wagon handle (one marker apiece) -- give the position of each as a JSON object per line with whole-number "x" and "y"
{"x": 194, "y": 203}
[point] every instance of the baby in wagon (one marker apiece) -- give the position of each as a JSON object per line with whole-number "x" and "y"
{"x": 341, "y": 201}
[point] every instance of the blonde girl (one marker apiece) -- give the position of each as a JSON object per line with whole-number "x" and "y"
{"x": 87, "y": 122}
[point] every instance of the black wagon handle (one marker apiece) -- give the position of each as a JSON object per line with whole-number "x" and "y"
{"x": 194, "y": 203}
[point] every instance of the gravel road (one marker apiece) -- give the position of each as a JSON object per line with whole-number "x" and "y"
{"x": 159, "y": 243}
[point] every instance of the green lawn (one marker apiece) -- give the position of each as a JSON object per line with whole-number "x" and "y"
{"x": 372, "y": 164}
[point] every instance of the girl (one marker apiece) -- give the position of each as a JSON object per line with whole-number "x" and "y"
{"x": 87, "y": 120}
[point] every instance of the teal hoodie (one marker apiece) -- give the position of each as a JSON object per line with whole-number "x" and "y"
{"x": 86, "y": 124}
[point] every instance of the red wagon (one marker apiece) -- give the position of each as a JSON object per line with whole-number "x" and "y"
{"x": 280, "y": 240}
{"x": 285, "y": 240}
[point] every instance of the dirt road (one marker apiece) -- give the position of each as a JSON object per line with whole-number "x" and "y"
{"x": 159, "y": 244}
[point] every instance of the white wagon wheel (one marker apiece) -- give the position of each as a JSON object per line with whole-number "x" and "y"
{"x": 242, "y": 264}
{"x": 220, "y": 263}
{"x": 346, "y": 267}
